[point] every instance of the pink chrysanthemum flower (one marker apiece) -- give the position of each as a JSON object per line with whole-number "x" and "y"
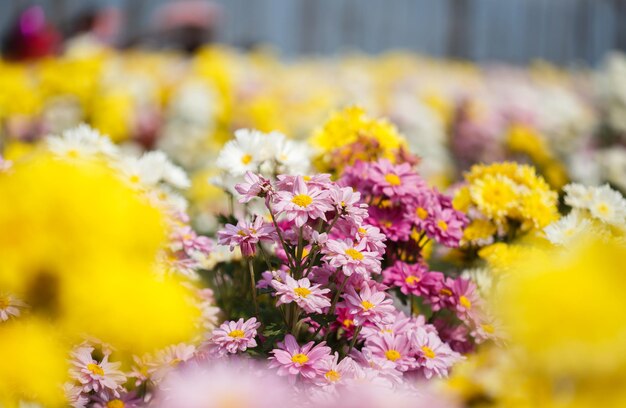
{"x": 235, "y": 336}
{"x": 186, "y": 239}
{"x": 287, "y": 182}
{"x": 268, "y": 276}
{"x": 292, "y": 360}
{"x": 465, "y": 299}
{"x": 74, "y": 395}
{"x": 101, "y": 377}
{"x": 398, "y": 180}
{"x": 393, "y": 347}
{"x": 254, "y": 186}
{"x": 392, "y": 222}
{"x": 309, "y": 297}
{"x": 412, "y": 279}
{"x": 125, "y": 400}
{"x": 373, "y": 238}
{"x": 348, "y": 204}
{"x": 246, "y": 235}
{"x": 369, "y": 305}
{"x": 351, "y": 258}
{"x": 434, "y": 357}
{"x": 303, "y": 203}
{"x": 10, "y": 307}
{"x": 374, "y": 369}
{"x": 422, "y": 208}
{"x": 401, "y": 324}
{"x": 169, "y": 358}
{"x": 335, "y": 372}
{"x": 446, "y": 226}
{"x": 457, "y": 336}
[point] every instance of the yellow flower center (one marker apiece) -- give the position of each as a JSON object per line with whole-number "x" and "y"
{"x": 332, "y": 376}
{"x": 237, "y": 334}
{"x": 302, "y": 292}
{"x": 488, "y": 328}
{"x": 305, "y": 252}
{"x": 465, "y": 302}
{"x": 246, "y": 158}
{"x": 367, "y": 305}
{"x": 347, "y": 323}
{"x": 392, "y": 355}
{"x": 428, "y": 352}
{"x": 306, "y": 178}
{"x": 421, "y": 213}
{"x": 241, "y": 233}
{"x": 412, "y": 280}
{"x": 354, "y": 254}
{"x": 116, "y": 403}
{"x": 362, "y": 231}
{"x": 442, "y": 225}
{"x": 300, "y": 358}
{"x": 392, "y": 179}
{"x": 302, "y": 200}
{"x": 446, "y": 292}
{"x": 95, "y": 369}
{"x": 603, "y": 208}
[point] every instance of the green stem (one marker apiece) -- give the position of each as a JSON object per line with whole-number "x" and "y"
{"x": 355, "y": 337}
{"x": 265, "y": 257}
{"x": 253, "y": 287}
{"x": 280, "y": 237}
{"x": 333, "y": 305}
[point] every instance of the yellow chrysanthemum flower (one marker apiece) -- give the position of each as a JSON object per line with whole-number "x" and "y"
{"x": 509, "y": 195}
{"x": 79, "y": 247}
{"x": 349, "y": 126}
{"x": 494, "y": 195}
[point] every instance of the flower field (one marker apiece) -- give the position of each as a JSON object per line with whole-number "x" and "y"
{"x": 230, "y": 229}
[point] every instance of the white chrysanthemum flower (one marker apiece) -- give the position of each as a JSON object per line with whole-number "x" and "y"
{"x": 608, "y": 206}
{"x": 169, "y": 172}
{"x": 245, "y": 153}
{"x": 291, "y": 157}
{"x": 567, "y": 229}
{"x": 482, "y": 278}
{"x": 578, "y": 196}
{"x": 151, "y": 169}
{"x": 138, "y": 172}
{"x": 81, "y": 142}
{"x": 165, "y": 198}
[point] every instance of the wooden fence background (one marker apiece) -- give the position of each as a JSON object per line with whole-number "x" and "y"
{"x": 516, "y": 31}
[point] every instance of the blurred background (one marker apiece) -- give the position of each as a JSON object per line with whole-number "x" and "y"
{"x": 514, "y": 31}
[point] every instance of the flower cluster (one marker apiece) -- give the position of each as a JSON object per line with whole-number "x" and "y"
{"x": 502, "y": 199}
{"x": 118, "y": 222}
{"x": 322, "y": 245}
{"x": 350, "y": 135}
{"x": 404, "y": 208}
{"x": 268, "y": 154}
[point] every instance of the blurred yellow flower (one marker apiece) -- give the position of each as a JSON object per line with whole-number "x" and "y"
{"x": 80, "y": 247}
